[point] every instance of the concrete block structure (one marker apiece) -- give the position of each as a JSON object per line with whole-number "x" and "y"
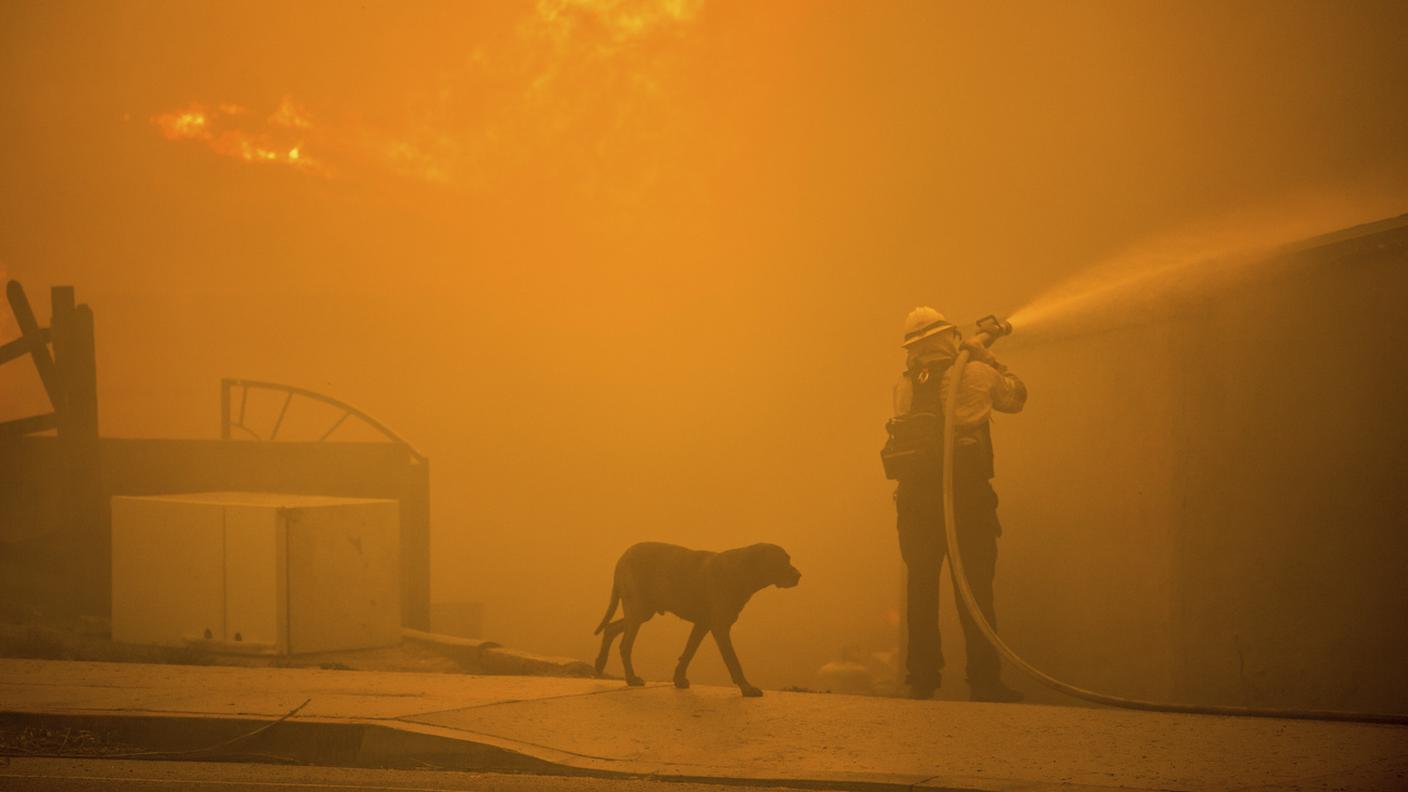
{"x": 265, "y": 573}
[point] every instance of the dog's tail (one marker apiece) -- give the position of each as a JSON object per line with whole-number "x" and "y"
{"x": 610, "y": 610}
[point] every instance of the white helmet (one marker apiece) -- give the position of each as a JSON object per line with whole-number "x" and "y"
{"x": 923, "y": 322}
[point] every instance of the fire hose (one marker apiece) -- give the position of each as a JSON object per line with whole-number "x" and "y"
{"x": 989, "y": 330}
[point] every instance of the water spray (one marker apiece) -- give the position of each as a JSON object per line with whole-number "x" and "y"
{"x": 1158, "y": 277}
{"x": 990, "y": 329}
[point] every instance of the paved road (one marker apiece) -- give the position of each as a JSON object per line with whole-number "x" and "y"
{"x": 92, "y": 775}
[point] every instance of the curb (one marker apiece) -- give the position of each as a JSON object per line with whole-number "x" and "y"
{"x": 396, "y": 745}
{"x": 339, "y": 743}
{"x": 494, "y": 658}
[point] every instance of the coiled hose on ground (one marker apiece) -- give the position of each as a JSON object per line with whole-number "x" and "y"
{"x": 960, "y": 580}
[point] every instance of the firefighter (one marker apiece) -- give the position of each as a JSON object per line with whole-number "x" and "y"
{"x": 932, "y": 345}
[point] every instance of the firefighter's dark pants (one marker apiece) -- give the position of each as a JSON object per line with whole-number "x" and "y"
{"x": 922, "y": 545}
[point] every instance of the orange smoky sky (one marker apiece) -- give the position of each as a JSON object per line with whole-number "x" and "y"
{"x": 634, "y": 270}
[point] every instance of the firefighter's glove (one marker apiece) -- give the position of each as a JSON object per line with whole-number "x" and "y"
{"x": 980, "y": 353}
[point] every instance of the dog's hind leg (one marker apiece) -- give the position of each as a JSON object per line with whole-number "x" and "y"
{"x": 628, "y": 641}
{"x": 612, "y": 630}
{"x": 690, "y": 647}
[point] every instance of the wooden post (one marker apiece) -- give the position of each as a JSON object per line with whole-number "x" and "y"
{"x": 75, "y": 397}
{"x": 69, "y": 511}
{"x": 82, "y": 375}
{"x": 60, "y": 334}
{"x": 92, "y": 518}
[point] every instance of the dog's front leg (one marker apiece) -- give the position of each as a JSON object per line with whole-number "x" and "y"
{"x": 690, "y": 647}
{"x": 725, "y": 642}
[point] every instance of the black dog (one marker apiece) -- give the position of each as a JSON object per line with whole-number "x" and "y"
{"x": 708, "y": 589}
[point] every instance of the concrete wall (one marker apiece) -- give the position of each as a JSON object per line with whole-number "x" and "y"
{"x": 261, "y": 572}
{"x": 1209, "y": 506}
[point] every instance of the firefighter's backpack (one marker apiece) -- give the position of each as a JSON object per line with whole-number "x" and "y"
{"x": 915, "y": 446}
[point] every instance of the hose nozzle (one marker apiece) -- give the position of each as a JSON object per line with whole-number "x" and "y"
{"x": 990, "y": 328}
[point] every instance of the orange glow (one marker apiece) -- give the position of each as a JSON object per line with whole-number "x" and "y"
{"x": 290, "y": 115}
{"x": 226, "y": 131}
{"x": 636, "y": 269}
{"x": 185, "y": 125}
{"x": 622, "y": 20}
{"x": 569, "y": 65}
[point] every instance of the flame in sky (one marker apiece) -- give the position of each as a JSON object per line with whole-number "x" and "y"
{"x": 574, "y": 69}
{"x": 231, "y": 130}
{"x": 621, "y": 20}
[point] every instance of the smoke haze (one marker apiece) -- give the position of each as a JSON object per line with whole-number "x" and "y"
{"x": 628, "y": 270}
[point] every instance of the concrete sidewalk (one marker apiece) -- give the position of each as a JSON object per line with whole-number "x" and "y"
{"x": 602, "y": 727}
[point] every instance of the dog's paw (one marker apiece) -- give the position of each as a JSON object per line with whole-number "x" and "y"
{"x": 635, "y": 681}
{"x": 681, "y": 683}
{"x": 750, "y": 691}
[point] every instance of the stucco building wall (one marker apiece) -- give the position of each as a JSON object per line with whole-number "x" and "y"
{"x": 1209, "y": 505}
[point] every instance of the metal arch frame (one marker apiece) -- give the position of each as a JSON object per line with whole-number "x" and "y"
{"x": 228, "y": 384}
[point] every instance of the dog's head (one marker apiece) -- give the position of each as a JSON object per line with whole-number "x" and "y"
{"x": 772, "y": 565}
